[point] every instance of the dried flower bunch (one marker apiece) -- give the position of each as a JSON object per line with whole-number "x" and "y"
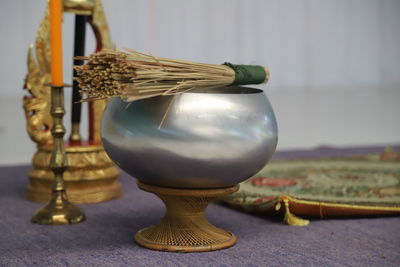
{"x": 133, "y": 75}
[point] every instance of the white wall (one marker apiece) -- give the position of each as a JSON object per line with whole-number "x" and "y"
{"x": 335, "y": 64}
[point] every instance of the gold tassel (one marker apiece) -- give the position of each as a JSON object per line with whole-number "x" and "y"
{"x": 290, "y": 218}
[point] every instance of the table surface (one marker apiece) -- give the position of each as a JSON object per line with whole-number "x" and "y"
{"x": 106, "y": 238}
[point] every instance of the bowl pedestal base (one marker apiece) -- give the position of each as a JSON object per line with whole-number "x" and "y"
{"x": 184, "y": 227}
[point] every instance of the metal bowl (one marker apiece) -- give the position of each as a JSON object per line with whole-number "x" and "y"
{"x": 199, "y": 139}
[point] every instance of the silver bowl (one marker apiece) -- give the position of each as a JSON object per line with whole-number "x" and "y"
{"x": 199, "y": 139}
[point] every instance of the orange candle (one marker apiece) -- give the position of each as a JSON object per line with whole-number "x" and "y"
{"x": 56, "y": 43}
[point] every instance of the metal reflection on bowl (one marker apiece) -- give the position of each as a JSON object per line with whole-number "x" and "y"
{"x": 200, "y": 139}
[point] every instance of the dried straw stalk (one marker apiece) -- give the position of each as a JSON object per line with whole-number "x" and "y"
{"x": 135, "y": 75}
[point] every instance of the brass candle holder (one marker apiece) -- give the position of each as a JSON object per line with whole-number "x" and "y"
{"x": 59, "y": 210}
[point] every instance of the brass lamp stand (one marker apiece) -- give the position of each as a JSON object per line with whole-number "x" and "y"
{"x": 59, "y": 210}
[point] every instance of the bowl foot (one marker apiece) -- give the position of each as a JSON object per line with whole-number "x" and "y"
{"x": 184, "y": 228}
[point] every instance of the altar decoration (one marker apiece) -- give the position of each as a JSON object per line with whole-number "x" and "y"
{"x": 91, "y": 176}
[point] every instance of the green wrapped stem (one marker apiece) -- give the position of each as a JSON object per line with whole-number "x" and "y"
{"x": 248, "y": 74}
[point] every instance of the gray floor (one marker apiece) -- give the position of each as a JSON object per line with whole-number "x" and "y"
{"x": 106, "y": 238}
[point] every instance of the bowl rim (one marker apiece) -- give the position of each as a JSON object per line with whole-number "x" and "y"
{"x": 225, "y": 90}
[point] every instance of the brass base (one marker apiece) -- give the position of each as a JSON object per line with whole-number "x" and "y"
{"x": 58, "y": 212}
{"x": 91, "y": 177}
{"x": 184, "y": 228}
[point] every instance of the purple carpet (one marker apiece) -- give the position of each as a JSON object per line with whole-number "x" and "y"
{"x": 106, "y": 238}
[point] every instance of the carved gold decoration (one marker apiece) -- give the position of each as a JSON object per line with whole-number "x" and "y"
{"x": 80, "y": 7}
{"x": 84, "y": 185}
{"x": 37, "y": 105}
{"x": 91, "y": 176}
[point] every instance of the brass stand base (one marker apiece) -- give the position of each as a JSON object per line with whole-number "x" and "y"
{"x": 58, "y": 212}
{"x": 91, "y": 176}
{"x": 184, "y": 227}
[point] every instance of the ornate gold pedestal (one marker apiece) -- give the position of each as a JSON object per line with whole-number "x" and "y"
{"x": 184, "y": 227}
{"x": 91, "y": 176}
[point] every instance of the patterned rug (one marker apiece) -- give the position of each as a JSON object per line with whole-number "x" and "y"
{"x": 352, "y": 186}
